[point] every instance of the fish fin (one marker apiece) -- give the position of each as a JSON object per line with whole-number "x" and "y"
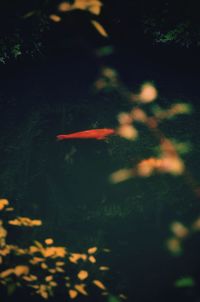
{"x": 101, "y": 138}
{"x": 60, "y": 137}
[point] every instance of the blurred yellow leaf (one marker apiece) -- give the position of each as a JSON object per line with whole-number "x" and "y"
{"x": 49, "y": 241}
{"x": 92, "y": 250}
{"x": 179, "y": 229}
{"x": 74, "y": 257}
{"x": 21, "y": 270}
{"x": 104, "y": 268}
{"x": 36, "y": 260}
{"x": 6, "y": 273}
{"x": 93, "y": 6}
{"x": 30, "y": 278}
{"x": 49, "y": 278}
{"x": 73, "y": 293}
{"x": 148, "y": 93}
{"x": 127, "y": 131}
{"x": 60, "y": 263}
{"x": 44, "y": 265}
{"x": 64, "y": 7}
{"x": 92, "y": 259}
{"x": 55, "y": 18}
{"x": 99, "y": 284}
{"x": 82, "y": 275}
{"x": 42, "y": 291}
{"x": 81, "y": 289}
{"x": 25, "y": 221}
{"x": 3, "y": 203}
{"x": 121, "y": 175}
{"x": 99, "y": 28}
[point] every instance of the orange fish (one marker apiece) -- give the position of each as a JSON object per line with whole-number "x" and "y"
{"x": 88, "y": 134}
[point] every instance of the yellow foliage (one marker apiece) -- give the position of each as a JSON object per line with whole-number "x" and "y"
{"x": 74, "y": 257}
{"x": 40, "y": 262}
{"x": 25, "y": 221}
{"x": 21, "y": 270}
{"x": 104, "y": 268}
{"x": 6, "y": 273}
{"x": 92, "y": 259}
{"x": 99, "y": 28}
{"x": 3, "y": 203}
{"x": 81, "y": 289}
{"x": 73, "y": 293}
{"x": 82, "y": 275}
{"x": 99, "y": 284}
{"x": 55, "y": 18}
{"x": 49, "y": 241}
{"x": 92, "y": 250}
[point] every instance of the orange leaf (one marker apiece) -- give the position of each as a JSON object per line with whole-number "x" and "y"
{"x": 81, "y": 289}
{"x": 82, "y": 275}
{"x": 92, "y": 259}
{"x": 92, "y": 250}
{"x": 104, "y": 268}
{"x": 73, "y": 293}
{"x": 49, "y": 241}
{"x": 99, "y": 28}
{"x": 55, "y": 18}
{"x": 99, "y": 284}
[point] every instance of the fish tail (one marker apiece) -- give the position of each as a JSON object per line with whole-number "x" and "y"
{"x": 61, "y": 137}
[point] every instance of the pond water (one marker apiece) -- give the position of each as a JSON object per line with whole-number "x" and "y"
{"x": 66, "y": 184}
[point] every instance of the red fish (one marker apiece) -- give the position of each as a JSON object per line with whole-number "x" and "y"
{"x": 88, "y": 134}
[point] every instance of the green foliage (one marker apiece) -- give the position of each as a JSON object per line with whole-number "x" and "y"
{"x": 184, "y": 282}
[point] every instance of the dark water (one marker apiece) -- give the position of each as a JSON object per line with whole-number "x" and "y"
{"x": 66, "y": 183}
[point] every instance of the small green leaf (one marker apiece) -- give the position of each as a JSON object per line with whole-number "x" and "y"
{"x": 184, "y": 282}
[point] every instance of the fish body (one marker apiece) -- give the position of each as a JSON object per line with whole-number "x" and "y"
{"x": 88, "y": 134}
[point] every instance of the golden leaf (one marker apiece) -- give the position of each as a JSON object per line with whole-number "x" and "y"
{"x": 53, "y": 283}
{"x": 60, "y": 269}
{"x": 21, "y": 270}
{"x": 36, "y": 222}
{"x": 60, "y": 263}
{"x": 74, "y": 257}
{"x": 30, "y": 278}
{"x": 92, "y": 259}
{"x": 36, "y": 260}
{"x": 3, "y": 203}
{"x": 44, "y": 265}
{"x": 55, "y": 18}
{"x": 38, "y": 244}
{"x": 99, "y": 284}
{"x": 33, "y": 249}
{"x": 6, "y": 273}
{"x": 81, "y": 289}
{"x": 10, "y": 209}
{"x": 73, "y": 293}
{"x": 92, "y": 250}
{"x": 82, "y": 275}
{"x": 52, "y": 270}
{"x": 104, "y": 268}
{"x": 42, "y": 291}
{"x": 49, "y": 278}
{"x": 25, "y": 221}
{"x": 99, "y": 28}
{"x": 64, "y": 7}
{"x": 148, "y": 93}
{"x": 49, "y": 241}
